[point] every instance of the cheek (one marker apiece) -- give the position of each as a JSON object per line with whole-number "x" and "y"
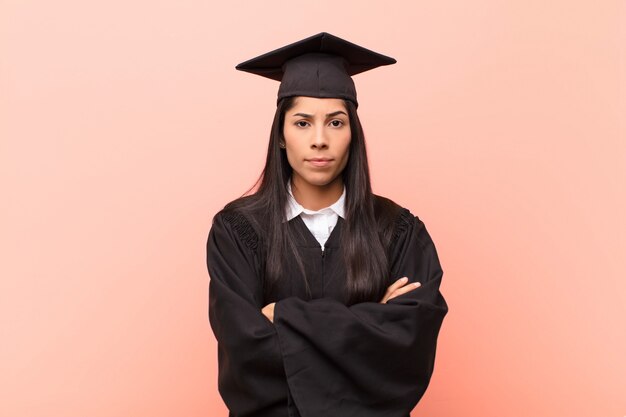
{"x": 346, "y": 144}
{"x": 292, "y": 136}
{"x": 286, "y": 134}
{"x": 291, "y": 155}
{"x": 346, "y": 157}
{"x": 292, "y": 152}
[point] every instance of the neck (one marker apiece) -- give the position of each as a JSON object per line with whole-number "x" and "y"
{"x": 316, "y": 197}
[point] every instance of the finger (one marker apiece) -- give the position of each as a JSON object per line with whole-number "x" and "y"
{"x": 409, "y": 287}
{"x": 394, "y": 286}
{"x": 399, "y": 283}
{"x": 406, "y": 288}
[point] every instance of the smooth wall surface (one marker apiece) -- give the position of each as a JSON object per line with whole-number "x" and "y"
{"x": 124, "y": 127}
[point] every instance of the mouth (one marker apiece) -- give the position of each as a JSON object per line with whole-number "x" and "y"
{"x": 319, "y": 162}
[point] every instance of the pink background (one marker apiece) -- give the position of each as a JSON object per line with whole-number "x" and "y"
{"x": 124, "y": 127}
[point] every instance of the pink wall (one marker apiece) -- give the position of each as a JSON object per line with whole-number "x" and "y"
{"x": 124, "y": 127}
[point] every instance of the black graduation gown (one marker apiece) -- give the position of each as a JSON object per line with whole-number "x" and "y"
{"x": 321, "y": 357}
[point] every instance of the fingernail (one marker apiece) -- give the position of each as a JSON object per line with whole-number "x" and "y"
{"x": 417, "y": 284}
{"x": 403, "y": 279}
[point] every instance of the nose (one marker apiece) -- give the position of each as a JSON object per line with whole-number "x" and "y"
{"x": 320, "y": 141}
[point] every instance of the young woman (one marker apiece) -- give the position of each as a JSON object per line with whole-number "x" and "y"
{"x": 324, "y": 297}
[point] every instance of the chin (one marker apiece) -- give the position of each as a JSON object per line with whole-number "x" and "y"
{"x": 319, "y": 180}
{"x": 316, "y": 181}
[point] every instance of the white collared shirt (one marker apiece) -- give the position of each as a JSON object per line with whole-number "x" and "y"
{"x": 320, "y": 222}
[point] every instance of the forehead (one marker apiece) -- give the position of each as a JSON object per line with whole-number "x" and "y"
{"x": 313, "y": 104}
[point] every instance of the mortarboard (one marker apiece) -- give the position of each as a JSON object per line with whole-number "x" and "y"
{"x": 318, "y": 66}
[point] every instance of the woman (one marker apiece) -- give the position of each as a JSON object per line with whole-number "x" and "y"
{"x": 324, "y": 297}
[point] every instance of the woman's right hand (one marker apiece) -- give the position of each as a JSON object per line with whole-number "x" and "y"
{"x": 398, "y": 288}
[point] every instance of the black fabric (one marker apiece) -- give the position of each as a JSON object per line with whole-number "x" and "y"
{"x": 321, "y": 357}
{"x": 318, "y": 66}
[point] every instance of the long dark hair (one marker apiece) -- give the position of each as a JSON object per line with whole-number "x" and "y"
{"x": 369, "y": 219}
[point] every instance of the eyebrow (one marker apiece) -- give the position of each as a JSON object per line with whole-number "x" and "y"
{"x": 335, "y": 113}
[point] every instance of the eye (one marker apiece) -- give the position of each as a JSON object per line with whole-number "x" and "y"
{"x": 299, "y": 123}
{"x": 337, "y": 123}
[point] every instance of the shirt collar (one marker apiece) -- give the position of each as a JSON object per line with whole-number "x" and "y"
{"x": 294, "y": 208}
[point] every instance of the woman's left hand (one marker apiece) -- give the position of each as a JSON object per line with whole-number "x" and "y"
{"x": 268, "y": 311}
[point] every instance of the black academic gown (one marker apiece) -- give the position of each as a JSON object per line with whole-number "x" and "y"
{"x": 321, "y": 358}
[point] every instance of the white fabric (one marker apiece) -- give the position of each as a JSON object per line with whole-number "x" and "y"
{"x": 320, "y": 222}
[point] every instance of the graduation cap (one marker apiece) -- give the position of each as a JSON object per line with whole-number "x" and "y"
{"x": 318, "y": 66}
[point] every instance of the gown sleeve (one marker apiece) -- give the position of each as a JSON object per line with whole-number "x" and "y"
{"x": 251, "y": 377}
{"x": 368, "y": 359}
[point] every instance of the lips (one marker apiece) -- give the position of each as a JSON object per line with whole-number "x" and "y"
{"x": 319, "y": 162}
